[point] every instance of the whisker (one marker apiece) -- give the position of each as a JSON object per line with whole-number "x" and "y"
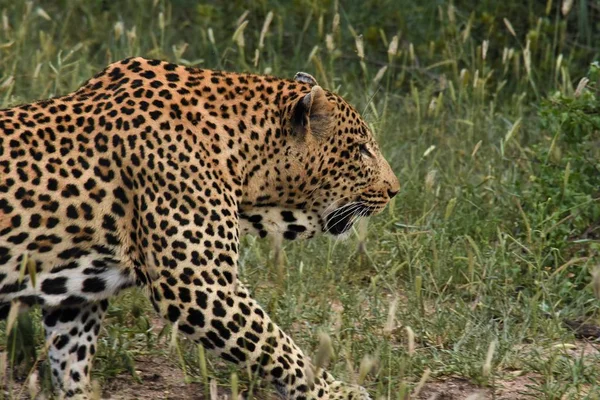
{"x": 361, "y": 214}
{"x": 331, "y": 206}
{"x": 345, "y": 206}
{"x": 345, "y": 213}
{"x": 350, "y": 222}
{"x": 342, "y": 211}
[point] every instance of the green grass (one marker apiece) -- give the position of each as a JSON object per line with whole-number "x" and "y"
{"x": 486, "y": 243}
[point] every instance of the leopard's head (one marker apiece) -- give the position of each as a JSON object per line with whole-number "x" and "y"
{"x": 332, "y": 163}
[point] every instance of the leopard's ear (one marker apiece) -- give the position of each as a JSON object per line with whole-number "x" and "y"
{"x": 305, "y": 78}
{"x": 314, "y": 114}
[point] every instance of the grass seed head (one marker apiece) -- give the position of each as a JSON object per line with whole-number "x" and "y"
{"x": 265, "y": 29}
{"x": 421, "y": 383}
{"x": 393, "y": 47}
{"x": 581, "y": 86}
{"x": 451, "y": 14}
{"x": 430, "y": 180}
{"x": 596, "y": 281}
{"x": 336, "y": 23}
{"x": 559, "y": 60}
{"x": 325, "y": 351}
{"x": 312, "y": 53}
{"x": 366, "y": 365}
{"x": 161, "y": 21}
{"x": 566, "y": 7}
{"x": 5, "y": 23}
{"x": 242, "y": 18}
{"x": 509, "y": 27}
{"x": 484, "y": 48}
{"x": 13, "y": 313}
{"x": 487, "y": 365}
{"x": 118, "y": 29}
{"x": 33, "y": 385}
{"x": 8, "y": 82}
{"x": 211, "y": 36}
{"x": 329, "y": 43}
{"x": 360, "y": 46}
{"x": 131, "y": 34}
{"x": 410, "y": 335}
{"x": 390, "y": 323}
{"x": 42, "y": 13}
{"x": 527, "y": 57}
{"x": 504, "y": 55}
{"x": 380, "y": 74}
{"x": 3, "y": 366}
{"x": 238, "y": 35}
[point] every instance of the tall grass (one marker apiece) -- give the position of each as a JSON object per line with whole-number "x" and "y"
{"x": 475, "y": 266}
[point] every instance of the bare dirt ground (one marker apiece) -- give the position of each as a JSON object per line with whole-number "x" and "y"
{"x": 162, "y": 378}
{"x": 460, "y": 389}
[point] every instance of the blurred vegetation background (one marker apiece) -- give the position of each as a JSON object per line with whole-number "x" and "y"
{"x": 483, "y": 268}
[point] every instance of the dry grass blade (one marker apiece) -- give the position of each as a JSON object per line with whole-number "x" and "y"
{"x": 509, "y": 27}
{"x": 487, "y": 365}
{"x": 173, "y": 343}
{"x": 324, "y": 352}
{"x": 417, "y": 390}
{"x": 410, "y": 335}
{"x": 390, "y": 323}
{"x": 265, "y": 29}
{"x": 393, "y": 47}
{"x": 596, "y": 281}
{"x": 238, "y": 35}
{"x": 234, "y": 386}
{"x": 33, "y": 386}
{"x": 366, "y": 365}
{"x": 13, "y": 313}
{"x": 3, "y": 367}
{"x": 214, "y": 393}
{"x": 566, "y": 7}
{"x": 42, "y": 13}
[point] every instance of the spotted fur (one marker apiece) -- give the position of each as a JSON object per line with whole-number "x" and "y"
{"x": 147, "y": 176}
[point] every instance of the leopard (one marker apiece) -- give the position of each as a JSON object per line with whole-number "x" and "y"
{"x": 147, "y": 176}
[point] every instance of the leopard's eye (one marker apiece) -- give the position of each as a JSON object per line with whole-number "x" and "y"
{"x": 364, "y": 150}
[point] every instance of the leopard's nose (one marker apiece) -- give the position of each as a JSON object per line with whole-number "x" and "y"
{"x": 390, "y": 180}
{"x": 393, "y": 185}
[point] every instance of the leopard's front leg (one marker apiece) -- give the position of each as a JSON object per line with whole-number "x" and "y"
{"x": 226, "y": 320}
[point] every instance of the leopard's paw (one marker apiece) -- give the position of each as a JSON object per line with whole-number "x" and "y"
{"x": 343, "y": 391}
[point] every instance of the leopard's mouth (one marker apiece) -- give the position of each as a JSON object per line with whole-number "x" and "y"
{"x": 342, "y": 219}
